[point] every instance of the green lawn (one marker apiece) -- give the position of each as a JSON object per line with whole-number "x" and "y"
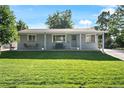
{"x": 60, "y": 69}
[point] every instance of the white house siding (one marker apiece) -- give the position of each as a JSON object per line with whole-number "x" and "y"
{"x": 67, "y": 43}
{"x": 89, "y": 46}
{"x": 22, "y": 39}
{"x": 78, "y": 41}
{"x": 39, "y": 41}
{"x": 50, "y": 45}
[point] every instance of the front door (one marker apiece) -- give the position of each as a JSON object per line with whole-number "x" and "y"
{"x": 73, "y": 41}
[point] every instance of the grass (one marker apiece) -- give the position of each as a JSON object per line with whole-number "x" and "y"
{"x": 60, "y": 69}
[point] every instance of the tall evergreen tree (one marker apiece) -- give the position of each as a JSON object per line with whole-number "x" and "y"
{"x": 8, "y": 31}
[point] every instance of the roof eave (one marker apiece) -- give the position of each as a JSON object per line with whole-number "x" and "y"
{"x": 72, "y": 32}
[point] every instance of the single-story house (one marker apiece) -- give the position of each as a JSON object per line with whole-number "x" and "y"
{"x": 67, "y": 39}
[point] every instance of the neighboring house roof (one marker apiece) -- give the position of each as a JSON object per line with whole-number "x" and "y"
{"x": 62, "y": 31}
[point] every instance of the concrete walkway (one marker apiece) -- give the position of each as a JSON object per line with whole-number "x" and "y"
{"x": 115, "y": 53}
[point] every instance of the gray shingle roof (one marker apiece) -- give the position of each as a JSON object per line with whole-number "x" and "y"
{"x": 61, "y": 31}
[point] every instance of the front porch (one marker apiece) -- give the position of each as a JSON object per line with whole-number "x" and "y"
{"x": 61, "y": 42}
{"x": 60, "y": 39}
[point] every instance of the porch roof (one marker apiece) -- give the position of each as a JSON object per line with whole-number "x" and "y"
{"x": 62, "y": 31}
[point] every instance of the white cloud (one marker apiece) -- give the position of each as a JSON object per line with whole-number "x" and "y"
{"x": 111, "y": 10}
{"x": 108, "y": 6}
{"x": 78, "y": 26}
{"x": 85, "y": 22}
{"x": 37, "y": 26}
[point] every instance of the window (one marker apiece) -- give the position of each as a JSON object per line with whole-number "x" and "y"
{"x": 93, "y": 38}
{"x": 31, "y": 37}
{"x": 73, "y": 37}
{"x": 58, "y": 38}
{"x": 90, "y": 38}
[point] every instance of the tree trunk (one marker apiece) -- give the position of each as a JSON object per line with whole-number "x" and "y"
{"x": 0, "y": 49}
{"x": 10, "y": 46}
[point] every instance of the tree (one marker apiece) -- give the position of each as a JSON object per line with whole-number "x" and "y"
{"x": 116, "y": 25}
{"x": 103, "y": 24}
{"x": 8, "y": 31}
{"x": 60, "y": 20}
{"x": 21, "y": 25}
{"x": 103, "y": 20}
{"x": 120, "y": 40}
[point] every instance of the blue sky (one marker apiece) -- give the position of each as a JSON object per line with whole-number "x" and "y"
{"x": 35, "y": 15}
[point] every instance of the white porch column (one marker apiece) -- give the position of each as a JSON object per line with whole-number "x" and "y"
{"x": 103, "y": 42}
{"x": 44, "y": 41}
{"x": 96, "y": 40}
{"x": 80, "y": 42}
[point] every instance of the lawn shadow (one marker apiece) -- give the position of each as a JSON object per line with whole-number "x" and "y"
{"x": 82, "y": 55}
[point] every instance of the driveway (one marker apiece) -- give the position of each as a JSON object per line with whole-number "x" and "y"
{"x": 115, "y": 53}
